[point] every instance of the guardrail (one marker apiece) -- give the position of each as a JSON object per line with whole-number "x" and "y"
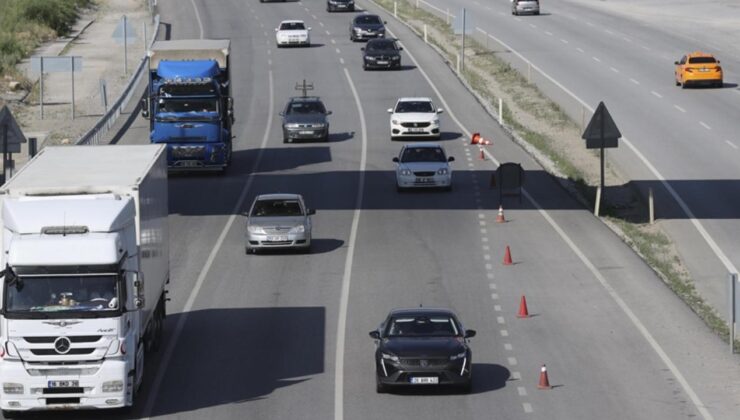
{"x": 106, "y": 122}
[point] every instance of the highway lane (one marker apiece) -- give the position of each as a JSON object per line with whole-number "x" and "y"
{"x": 690, "y": 136}
{"x": 259, "y": 338}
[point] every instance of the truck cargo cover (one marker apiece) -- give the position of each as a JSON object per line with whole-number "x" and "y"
{"x": 190, "y": 49}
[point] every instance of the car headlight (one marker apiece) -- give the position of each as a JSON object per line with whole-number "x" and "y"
{"x": 443, "y": 171}
{"x": 292, "y": 125}
{"x": 357, "y": 30}
{"x": 298, "y": 229}
{"x": 394, "y": 122}
{"x": 435, "y": 121}
{"x": 391, "y": 357}
{"x": 405, "y": 172}
{"x": 318, "y": 125}
{"x": 458, "y": 356}
{"x": 396, "y": 58}
{"x": 255, "y": 229}
{"x": 370, "y": 58}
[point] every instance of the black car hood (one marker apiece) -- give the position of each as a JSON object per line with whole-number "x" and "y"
{"x": 423, "y": 346}
{"x": 305, "y": 118}
{"x": 375, "y": 53}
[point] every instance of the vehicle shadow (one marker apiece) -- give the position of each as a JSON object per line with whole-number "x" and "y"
{"x": 487, "y": 377}
{"x": 318, "y": 246}
{"x": 337, "y": 137}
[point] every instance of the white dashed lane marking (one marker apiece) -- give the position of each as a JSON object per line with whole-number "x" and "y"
{"x": 512, "y": 361}
{"x": 564, "y": 41}
{"x": 532, "y": 25}
{"x": 507, "y": 346}
{"x": 679, "y": 108}
{"x": 705, "y": 125}
{"x": 522, "y": 391}
{"x": 341, "y": 60}
{"x": 500, "y": 320}
{"x": 321, "y": 24}
{"x": 504, "y": 333}
{"x": 494, "y": 296}
{"x": 634, "y": 81}
{"x": 527, "y": 407}
{"x": 579, "y": 50}
{"x": 731, "y": 144}
{"x": 497, "y": 308}
{"x": 339, "y": 51}
{"x": 596, "y": 59}
{"x": 516, "y": 375}
{"x": 626, "y": 39}
{"x": 656, "y": 94}
{"x": 548, "y": 33}
{"x": 613, "y": 69}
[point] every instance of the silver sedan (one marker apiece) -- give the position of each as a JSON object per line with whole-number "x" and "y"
{"x": 278, "y": 221}
{"x": 423, "y": 165}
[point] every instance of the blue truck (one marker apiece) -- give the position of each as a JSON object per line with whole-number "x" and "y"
{"x": 189, "y": 104}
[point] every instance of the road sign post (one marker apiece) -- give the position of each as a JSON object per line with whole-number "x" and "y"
{"x": 12, "y": 137}
{"x": 124, "y": 34}
{"x": 601, "y": 133}
{"x": 56, "y": 64}
{"x": 461, "y": 26}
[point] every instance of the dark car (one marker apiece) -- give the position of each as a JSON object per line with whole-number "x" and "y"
{"x": 366, "y": 26}
{"x": 304, "y": 118}
{"x": 338, "y": 5}
{"x": 422, "y": 346}
{"x": 381, "y": 53}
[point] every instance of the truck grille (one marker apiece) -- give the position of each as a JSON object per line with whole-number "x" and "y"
{"x": 53, "y": 352}
{"x": 73, "y": 339}
{"x": 188, "y": 152}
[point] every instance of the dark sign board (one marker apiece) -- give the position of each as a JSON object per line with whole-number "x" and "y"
{"x": 601, "y": 131}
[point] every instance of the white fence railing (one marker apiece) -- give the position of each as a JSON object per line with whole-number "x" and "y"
{"x": 107, "y": 121}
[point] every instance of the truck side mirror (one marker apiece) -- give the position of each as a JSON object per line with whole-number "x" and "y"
{"x": 230, "y": 103}
{"x": 138, "y": 289}
{"x": 145, "y": 108}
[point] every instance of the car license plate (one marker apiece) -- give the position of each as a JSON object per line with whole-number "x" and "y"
{"x": 277, "y": 238}
{"x": 383, "y": 63}
{"x": 64, "y": 384}
{"x": 341, "y": 6}
{"x": 416, "y": 130}
{"x": 188, "y": 163}
{"x": 422, "y": 180}
{"x": 704, "y": 70}
{"x": 425, "y": 380}
{"x": 305, "y": 132}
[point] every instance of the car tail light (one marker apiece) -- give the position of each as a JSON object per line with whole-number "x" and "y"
{"x": 718, "y": 68}
{"x": 688, "y": 70}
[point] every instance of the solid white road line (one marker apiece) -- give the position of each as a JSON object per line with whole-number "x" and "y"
{"x": 632, "y": 317}
{"x": 197, "y": 18}
{"x": 347, "y": 277}
{"x": 172, "y": 343}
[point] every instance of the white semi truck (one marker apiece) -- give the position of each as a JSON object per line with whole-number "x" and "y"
{"x": 86, "y": 262}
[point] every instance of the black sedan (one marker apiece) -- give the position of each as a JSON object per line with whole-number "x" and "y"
{"x": 422, "y": 346}
{"x": 381, "y": 53}
{"x": 366, "y": 26}
{"x": 304, "y": 118}
{"x": 337, "y": 5}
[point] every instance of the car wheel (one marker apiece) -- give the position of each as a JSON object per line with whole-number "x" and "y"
{"x": 380, "y": 387}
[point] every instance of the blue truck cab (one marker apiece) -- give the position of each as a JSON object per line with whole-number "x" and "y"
{"x": 189, "y": 103}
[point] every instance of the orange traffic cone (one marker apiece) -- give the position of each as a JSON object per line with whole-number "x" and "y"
{"x": 482, "y": 154}
{"x": 544, "y": 380}
{"x": 475, "y": 138}
{"x": 507, "y": 256}
{"x": 523, "y": 311}
{"x": 500, "y": 217}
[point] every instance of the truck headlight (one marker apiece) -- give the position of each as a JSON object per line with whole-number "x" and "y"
{"x": 113, "y": 348}
{"x": 298, "y": 229}
{"x": 113, "y": 386}
{"x": 12, "y": 388}
{"x": 256, "y": 229}
{"x": 457, "y": 356}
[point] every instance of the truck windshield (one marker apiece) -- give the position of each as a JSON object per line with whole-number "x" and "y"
{"x": 191, "y": 109}
{"x": 46, "y": 296}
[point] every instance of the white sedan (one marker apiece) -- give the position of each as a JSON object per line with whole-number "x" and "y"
{"x": 292, "y": 32}
{"x": 414, "y": 117}
{"x": 423, "y": 165}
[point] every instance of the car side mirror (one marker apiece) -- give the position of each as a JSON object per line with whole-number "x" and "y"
{"x": 451, "y": 159}
{"x": 395, "y": 159}
{"x": 440, "y": 110}
{"x": 328, "y": 112}
{"x": 470, "y": 333}
{"x": 310, "y": 212}
{"x": 277, "y": 29}
{"x": 390, "y": 110}
{"x": 675, "y": 62}
{"x": 374, "y": 335}
{"x": 400, "y": 48}
{"x": 717, "y": 61}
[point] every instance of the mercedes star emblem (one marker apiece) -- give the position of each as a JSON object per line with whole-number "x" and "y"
{"x": 62, "y": 345}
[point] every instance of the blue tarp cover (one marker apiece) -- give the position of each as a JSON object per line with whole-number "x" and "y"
{"x": 187, "y": 69}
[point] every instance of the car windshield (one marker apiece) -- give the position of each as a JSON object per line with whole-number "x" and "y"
{"x": 368, "y": 20}
{"x": 292, "y": 26}
{"x": 276, "y": 208}
{"x": 49, "y": 294}
{"x": 306, "y": 108}
{"x": 380, "y": 45}
{"x": 423, "y": 154}
{"x": 186, "y": 109}
{"x": 414, "y": 106}
{"x": 422, "y": 326}
{"x": 702, "y": 60}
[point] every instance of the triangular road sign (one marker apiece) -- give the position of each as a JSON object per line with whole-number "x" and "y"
{"x": 601, "y": 127}
{"x": 10, "y": 126}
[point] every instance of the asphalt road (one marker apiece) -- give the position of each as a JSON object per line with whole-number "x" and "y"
{"x": 690, "y": 136}
{"x": 284, "y": 336}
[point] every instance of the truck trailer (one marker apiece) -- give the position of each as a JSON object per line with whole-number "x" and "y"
{"x": 85, "y": 260}
{"x": 189, "y": 103}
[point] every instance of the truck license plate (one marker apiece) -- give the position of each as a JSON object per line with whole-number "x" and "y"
{"x": 64, "y": 384}
{"x": 277, "y": 238}
{"x": 425, "y": 380}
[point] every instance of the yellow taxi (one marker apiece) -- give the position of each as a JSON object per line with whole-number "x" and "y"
{"x": 698, "y": 68}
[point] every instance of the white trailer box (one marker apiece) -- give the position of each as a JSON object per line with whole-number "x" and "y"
{"x": 86, "y": 258}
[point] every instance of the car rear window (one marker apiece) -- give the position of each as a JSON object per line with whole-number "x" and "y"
{"x": 276, "y": 208}
{"x": 702, "y": 60}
